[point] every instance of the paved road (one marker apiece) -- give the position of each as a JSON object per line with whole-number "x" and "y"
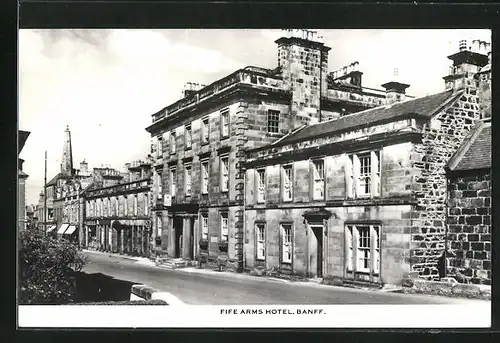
{"x": 241, "y": 289}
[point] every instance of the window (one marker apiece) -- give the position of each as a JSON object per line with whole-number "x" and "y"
{"x": 224, "y": 118}
{"x": 187, "y": 179}
{"x": 363, "y": 248}
{"x": 273, "y": 119}
{"x": 188, "y": 136}
{"x": 319, "y": 179}
{"x": 204, "y": 226}
{"x": 364, "y": 174}
{"x": 135, "y": 205}
{"x": 173, "y": 185}
{"x": 160, "y": 186}
{"x": 287, "y": 183}
{"x": 261, "y": 185}
{"x": 146, "y": 201}
{"x": 117, "y": 213}
{"x": 224, "y": 173}
{"x": 204, "y": 130}
{"x": 224, "y": 230}
{"x": 108, "y": 205}
{"x": 173, "y": 147}
{"x": 125, "y": 205}
{"x": 286, "y": 241}
{"x": 158, "y": 225}
{"x": 364, "y": 178}
{"x": 261, "y": 241}
{"x": 204, "y": 177}
{"x": 159, "y": 150}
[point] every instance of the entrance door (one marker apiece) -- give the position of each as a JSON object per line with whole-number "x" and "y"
{"x": 177, "y": 222}
{"x": 191, "y": 240}
{"x": 318, "y": 237}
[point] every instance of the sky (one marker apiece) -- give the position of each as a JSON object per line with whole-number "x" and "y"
{"x": 106, "y": 84}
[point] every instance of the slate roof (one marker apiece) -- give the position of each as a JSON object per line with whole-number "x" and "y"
{"x": 23, "y": 136}
{"x": 424, "y": 106}
{"x": 475, "y": 151}
{"x": 57, "y": 177}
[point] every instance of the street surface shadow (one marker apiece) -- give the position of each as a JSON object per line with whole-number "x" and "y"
{"x": 98, "y": 287}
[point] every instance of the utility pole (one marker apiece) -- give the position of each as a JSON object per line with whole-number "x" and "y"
{"x": 45, "y": 195}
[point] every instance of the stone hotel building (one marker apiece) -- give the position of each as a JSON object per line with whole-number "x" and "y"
{"x": 363, "y": 197}
{"x": 199, "y": 142}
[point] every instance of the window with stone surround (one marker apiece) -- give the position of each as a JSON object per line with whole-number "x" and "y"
{"x": 188, "y": 137}
{"x": 135, "y": 204}
{"x": 146, "y": 204}
{"x": 224, "y": 173}
{"x": 108, "y": 206}
{"x": 160, "y": 188}
{"x": 287, "y": 182}
{"x": 187, "y": 179}
{"x": 117, "y": 212}
{"x": 286, "y": 243}
{"x": 224, "y": 125}
{"x": 173, "y": 145}
{"x": 319, "y": 179}
{"x": 204, "y": 226}
{"x": 363, "y": 248}
{"x": 363, "y": 175}
{"x": 224, "y": 228}
{"x": 273, "y": 120}
{"x": 204, "y": 177}
{"x": 260, "y": 230}
{"x": 159, "y": 224}
{"x": 125, "y": 205}
{"x": 261, "y": 185}
{"x": 173, "y": 185}
{"x": 159, "y": 149}
{"x": 205, "y": 130}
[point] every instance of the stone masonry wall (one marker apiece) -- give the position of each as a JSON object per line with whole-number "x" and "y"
{"x": 469, "y": 228}
{"x": 441, "y": 138}
{"x": 304, "y": 71}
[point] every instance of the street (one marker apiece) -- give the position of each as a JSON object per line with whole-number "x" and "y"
{"x": 242, "y": 289}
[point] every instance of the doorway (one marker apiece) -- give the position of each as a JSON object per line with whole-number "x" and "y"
{"x": 317, "y": 251}
{"x": 177, "y": 223}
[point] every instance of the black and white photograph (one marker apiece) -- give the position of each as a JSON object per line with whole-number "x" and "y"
{"x": 254, "y": 177}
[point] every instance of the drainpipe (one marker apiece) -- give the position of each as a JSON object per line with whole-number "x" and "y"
{"x": 320, "y": 82}
{"x": 445, "y": 272}
{"x": 244, "y": 218}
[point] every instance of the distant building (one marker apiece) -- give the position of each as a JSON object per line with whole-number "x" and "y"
{"x": 362, "y": 198}
{"x": 198, "y": 142}
{"x": 117, "y": 216}
{"x": 21, "y": 183}
{"x": 469, "y": 208}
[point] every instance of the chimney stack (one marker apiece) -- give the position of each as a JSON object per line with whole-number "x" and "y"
{"x": 395, "y": 90}
{"x": 84, "y": 167}
{"x": 190, "y": 88}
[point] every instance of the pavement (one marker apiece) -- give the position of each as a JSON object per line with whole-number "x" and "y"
{"x": 209, "y": 287}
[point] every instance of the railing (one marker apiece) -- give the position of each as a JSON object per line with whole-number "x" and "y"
{"x": 108, "y": 191}
{"x": 250, "y": 75}
{"x": 333, "y": 94}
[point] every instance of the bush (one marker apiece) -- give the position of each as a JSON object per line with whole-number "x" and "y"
{"x": 47, "y": 269}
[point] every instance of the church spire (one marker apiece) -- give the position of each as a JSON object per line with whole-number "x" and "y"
{"x": 67, "y": 158}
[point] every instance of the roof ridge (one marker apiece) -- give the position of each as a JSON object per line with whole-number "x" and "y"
{"x": 289, "y": 133}
{"x": 465, "y": 145}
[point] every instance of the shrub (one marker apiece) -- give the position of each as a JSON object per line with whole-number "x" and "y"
{"x": 47, "y": 269}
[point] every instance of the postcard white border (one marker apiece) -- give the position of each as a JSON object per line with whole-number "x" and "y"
{"x": 316, "y": 316}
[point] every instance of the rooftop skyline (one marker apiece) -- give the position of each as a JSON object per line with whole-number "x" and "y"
{"x": 106, "y": 84}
